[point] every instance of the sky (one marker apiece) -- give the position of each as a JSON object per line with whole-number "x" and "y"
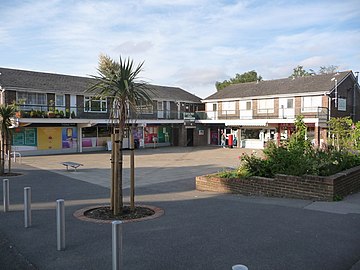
{"x": 184, "y": 43}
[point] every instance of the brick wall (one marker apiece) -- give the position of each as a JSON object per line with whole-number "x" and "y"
{"x": 307, "y": 187}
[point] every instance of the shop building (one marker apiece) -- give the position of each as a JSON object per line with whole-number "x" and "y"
{"x": 57, "y": 115}
{"x": 251, "y": 114}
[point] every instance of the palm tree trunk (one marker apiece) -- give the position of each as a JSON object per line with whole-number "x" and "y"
{"x": 2, "y": 162}
{"x": 116, "y": 209}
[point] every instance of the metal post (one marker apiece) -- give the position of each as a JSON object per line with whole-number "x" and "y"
{"x": 117, "y": 245}
{"x": 132, "y": 170}
{"x": 27, "y": 206}
{"x": 240, "y": 267}
{"x": 60, "y": 224}
{"x": 6, "y": 195}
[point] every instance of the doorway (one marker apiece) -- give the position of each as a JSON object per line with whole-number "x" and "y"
{"x": 189, "y": 137}
{"x": 175, "y": 136}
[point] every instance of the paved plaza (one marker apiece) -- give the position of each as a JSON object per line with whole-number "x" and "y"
{"x": 199, "y": 230}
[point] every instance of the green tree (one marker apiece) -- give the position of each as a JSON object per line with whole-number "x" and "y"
{"x": 328, "y": 69}
{"x": 118, "y": 81}
{"x": 7, "y": 112}
{"x": 343, "y": 133}
{"x": 298, "y": 141}
{"x": 250, "y": 76}
{"x": 299, "y": 71}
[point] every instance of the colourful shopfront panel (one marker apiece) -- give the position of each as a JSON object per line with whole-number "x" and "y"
{"x": 49, "y": 138}
{"x": 69, "y": 137}
{"x": 24, "y": 137}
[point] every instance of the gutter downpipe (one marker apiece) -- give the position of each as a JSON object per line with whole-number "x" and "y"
{"x": 354, "y": 96}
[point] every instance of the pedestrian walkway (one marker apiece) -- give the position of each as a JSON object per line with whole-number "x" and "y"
{"x": 199, "y": 230}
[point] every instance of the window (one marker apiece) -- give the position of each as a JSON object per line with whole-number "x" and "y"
{"x": 214, "y": 107}
{"x": 31, "y": 101}
{"x": 160, "y": 106}
{"x": 248, "y": 105}
{"x": 342, "y": 104}
{"x": 60, "y": 102}
{"x": 95, "y": 104}
{"x": 145, "y": 109}
{"x": 266, "y": 106}
{"x": 290, "y": 103}
{"x": 311, "y": 104}
{"x": 228, "y": 107}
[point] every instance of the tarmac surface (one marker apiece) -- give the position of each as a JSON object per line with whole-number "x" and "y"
{"x": 199, "y": 230}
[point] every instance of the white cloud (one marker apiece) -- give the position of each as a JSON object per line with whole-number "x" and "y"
{"x": 188, "y": 43}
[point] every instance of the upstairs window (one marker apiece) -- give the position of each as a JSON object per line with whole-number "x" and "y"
{"x": 248, "y": 105}
{"x": 266, "y": 106}
{"x": 95, "y": 104}
{"x": 60, "y": 102}
{"x": 31, "y": 101}
{"x": 289, "y": 103}
{"x": 311, "y": 104}
{"x": 145, "y": 109}
{"x": 228, "y": 107}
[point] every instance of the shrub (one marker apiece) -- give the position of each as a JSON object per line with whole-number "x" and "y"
{"x": 298, "y": 158}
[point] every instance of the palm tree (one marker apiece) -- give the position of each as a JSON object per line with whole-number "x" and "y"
{"x": 119, "y": 82}
{"x": 7, "y": 112}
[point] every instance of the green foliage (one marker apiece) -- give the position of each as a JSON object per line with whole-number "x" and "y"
{"x": 250, "y": 76}
{"x": 241, "y": 172}
{"x": 7, "y": 112}
{"x": 328, "y": 69}
{"x": 344, "y": 133}
{"x": 299, "y": 71}
{"x": 228, "y": 174}
{"x": 299, "y": 158}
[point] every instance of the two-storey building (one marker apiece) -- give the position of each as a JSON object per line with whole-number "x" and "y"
{"x": 254, "y": 113}
{"x": 57, "y": 115}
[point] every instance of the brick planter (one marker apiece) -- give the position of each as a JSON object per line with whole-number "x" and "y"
{"x": 308, "y": 187}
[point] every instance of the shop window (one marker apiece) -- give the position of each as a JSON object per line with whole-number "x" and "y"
{"x": 89, "y": 132}
{"x": 26, "y": 137}
{"x": 247, "y": 134}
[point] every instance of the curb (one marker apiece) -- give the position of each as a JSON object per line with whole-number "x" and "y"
{"x": 79, "y": 214}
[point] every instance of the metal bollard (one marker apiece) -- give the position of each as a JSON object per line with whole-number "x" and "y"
{"x": 116, "y": 245}
{"x": 60, "y": 224}
{"x": 27, "y": 206}
{"x": 240, "y": 267}
{"x": 6, "y": 195}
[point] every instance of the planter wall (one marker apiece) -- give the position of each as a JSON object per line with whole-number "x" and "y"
{"x": 307, "y": 187}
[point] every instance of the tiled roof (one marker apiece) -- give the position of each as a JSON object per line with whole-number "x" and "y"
{"x": 23, "y": 80}
{"x": 307, "y": 84}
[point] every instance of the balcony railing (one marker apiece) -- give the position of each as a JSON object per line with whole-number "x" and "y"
{"x": 321, "y": 113}
{"x": 45, "y": 111}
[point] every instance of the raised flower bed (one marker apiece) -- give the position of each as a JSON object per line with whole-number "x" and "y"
{"x": 319, "y": 188}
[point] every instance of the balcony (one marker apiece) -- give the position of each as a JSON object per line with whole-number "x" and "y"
{"x": 44, "y": 111}
{"x": 320, "y": 113}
